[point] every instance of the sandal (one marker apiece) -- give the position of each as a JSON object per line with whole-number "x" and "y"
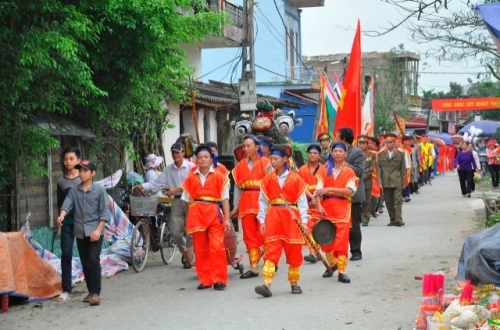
{"x": 63, "y": 297}
{"x": 263, "y": 291}
{"x": 94, "y": 300}
{"x": 296, "y": 289}
{"x": 87, "y": 298}
{"x": 249, "y": 274}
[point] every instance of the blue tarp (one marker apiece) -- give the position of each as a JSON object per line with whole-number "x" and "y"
{"x": 490, "y": 13}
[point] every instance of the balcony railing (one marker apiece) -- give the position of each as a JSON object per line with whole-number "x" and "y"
{"x": 232, "y": 31}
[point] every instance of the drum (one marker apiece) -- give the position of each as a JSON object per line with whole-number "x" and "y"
{"x": 323, "y": 232}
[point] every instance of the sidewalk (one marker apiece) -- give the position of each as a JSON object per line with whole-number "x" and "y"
{"x": 383, "y": 293}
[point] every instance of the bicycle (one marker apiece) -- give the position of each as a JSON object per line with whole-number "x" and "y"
{"x": 150, "y": 231}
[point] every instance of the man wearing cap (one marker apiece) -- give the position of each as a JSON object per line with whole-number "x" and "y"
{"x": 173, "y": 177}
{"x": 370, "y": 161}
{"x": 356, "y": 160}
{"x": 407, "y": 151}
{"x": 90, "y": 202}
{"x": 391, "y": 176}
{"x": 324, "y": 140}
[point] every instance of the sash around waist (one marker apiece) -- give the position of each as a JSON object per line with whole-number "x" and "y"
{"x": 281, "y": 202}
{"x": 208, "y": 200}
{"x": 335, "y": 197}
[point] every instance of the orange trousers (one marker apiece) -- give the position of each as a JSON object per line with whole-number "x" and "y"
{"x": 340, "y": 245}
{"x": 293, "y": 252}
{"x": 210, "y": 254}
{"x": 252, "y": 237}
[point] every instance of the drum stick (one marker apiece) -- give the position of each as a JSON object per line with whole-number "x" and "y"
{"x": 310, "y": 241}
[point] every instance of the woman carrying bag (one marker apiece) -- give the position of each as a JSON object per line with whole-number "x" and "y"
{"x": 466, "y": 165}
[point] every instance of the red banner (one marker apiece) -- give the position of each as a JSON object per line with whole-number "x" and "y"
{"x": 476, "y": 103}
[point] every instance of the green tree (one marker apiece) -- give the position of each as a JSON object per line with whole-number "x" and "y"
{"x": 390, "y": 91}
{"x": 451, "y": 31}
{"x": 109, "y": 65}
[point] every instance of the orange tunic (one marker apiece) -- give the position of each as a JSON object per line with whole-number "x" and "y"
{"x": 220, "y": 168}
{"x": 249, "y": 183}
{"x": 279, "y": 223}
{"x": 311, "y": 180}
{"x": 338, "y": 208}
{"x": 204, "y": 210}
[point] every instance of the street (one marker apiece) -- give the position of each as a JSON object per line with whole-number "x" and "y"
{"x": 383, "y": 293}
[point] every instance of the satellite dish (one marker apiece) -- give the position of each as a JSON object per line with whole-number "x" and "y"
{"x": 469, "y": 80}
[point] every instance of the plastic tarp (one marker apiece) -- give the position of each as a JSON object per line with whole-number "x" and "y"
{"x": 22, "y": 273}
{"x": 480, "y": 257}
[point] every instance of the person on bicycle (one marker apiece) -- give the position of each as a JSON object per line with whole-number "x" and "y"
{"x": 207, "y": 192}
{"x": 173, "y": 177}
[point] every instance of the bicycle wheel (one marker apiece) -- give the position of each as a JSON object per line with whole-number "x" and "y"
{"x": 168, "y": 247}
{"x": 139, "y": 248}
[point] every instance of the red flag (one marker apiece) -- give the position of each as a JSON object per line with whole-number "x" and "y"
{"x": 349, "y": 113}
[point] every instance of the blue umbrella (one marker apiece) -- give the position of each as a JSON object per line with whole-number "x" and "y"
{"x": 487, "y": 126}
{"x": 490, "y": 13}
{"x": 445, "y": 137}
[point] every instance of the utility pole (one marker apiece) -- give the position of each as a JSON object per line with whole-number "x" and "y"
{"x": 247, "y": 84}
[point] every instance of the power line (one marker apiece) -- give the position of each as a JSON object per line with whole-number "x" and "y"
{"x": 269, "y": 29}
{"x": 291, "y": 43}
{"x": 278, "y": 74}
{"x": 220, "y": 67}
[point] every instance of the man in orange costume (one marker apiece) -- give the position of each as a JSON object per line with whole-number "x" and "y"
{"x": 282, "y": 199}
{"x": 215, "y": 150}
{"x": 309, "y": 173}
{"x": 334, "y": 192}
{"x": 247, "y": 175}
{"x": 207, "y": 192}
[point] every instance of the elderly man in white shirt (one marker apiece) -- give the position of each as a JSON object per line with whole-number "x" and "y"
{"x": 172, "y": 177}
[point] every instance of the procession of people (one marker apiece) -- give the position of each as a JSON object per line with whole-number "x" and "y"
{"x": 344, "y": 183}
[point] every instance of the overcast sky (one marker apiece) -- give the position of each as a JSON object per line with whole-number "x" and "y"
{"x": 330, "y": 30}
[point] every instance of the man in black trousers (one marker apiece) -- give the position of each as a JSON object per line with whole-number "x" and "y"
{"x": 356, "y": 160}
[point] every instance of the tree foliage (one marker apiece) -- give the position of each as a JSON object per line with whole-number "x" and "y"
{"x": 451, "y": 30}
{"x": 109, "y": 65}
{"x": 389, "y": 90}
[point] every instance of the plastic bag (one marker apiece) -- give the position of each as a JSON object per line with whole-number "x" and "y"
{"x": 477, "y": 177}
{"x": 135, "y": 178}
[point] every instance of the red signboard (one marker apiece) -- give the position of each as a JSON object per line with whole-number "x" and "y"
{"x": 476, "y": 103}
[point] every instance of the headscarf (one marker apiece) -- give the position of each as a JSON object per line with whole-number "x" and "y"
{"x": 281, "y": 153}
{"x": 257, "y": 142}
{"x": 331, "y": 161}
{"x": 212, "y": 155}
{"x": 314, "y": 147}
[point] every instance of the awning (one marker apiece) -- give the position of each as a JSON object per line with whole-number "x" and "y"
{"x": 63, "y": 127}
{"x": 490, "y": 13}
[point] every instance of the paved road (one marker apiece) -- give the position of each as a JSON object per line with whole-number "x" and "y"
{"x": 383, "y": 293}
